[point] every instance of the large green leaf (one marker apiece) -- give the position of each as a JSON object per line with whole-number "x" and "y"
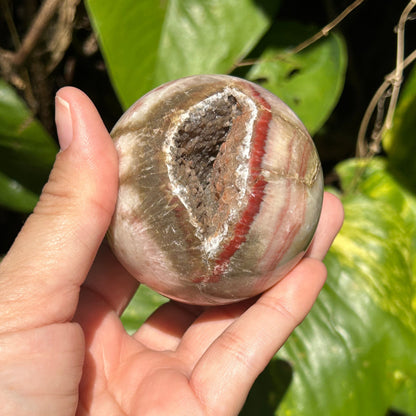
{"x": 352, "y": 355}
{"x": 129, "y": 32}
{"x": 209, "y": 36}
{"x": 400, "y": 141}
{"x": 27, "y": 152}
{"x": 311, "y": 81}
{"x": 147, "y": 42}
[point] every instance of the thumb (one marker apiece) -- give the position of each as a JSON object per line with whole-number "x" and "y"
{"x": 41, "y": 275}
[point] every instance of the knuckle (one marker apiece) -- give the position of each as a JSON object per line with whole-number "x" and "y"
{"x": 277, "y": 307}
{"x": 236, "y": 347}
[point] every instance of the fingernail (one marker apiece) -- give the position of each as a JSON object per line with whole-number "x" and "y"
{"x": 63, "y": 121}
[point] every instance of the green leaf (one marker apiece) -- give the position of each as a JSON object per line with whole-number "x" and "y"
{"x": 355, "y": 353}
{"x": 146, "y": 43}
{"x": 14, "y": 196}
{"x": 400, "y": 141}
{"x": 129, "y": 33}
{"x": 209, "y": 36}
{"x": 372, "y": 178}
{"x": 405, "y": 402}
{"x": 27, "y": 152}
{"x": 311, "y": 81}
{"x": 144, "y": 303}
{"x": 349, "y": 353}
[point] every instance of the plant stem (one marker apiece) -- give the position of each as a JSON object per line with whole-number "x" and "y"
{"x": 398, "y": 75}
{"x": 10, "y": 23}
{"x": 326, "y": 29}
{"x": 322, "y": 33}
{"x": 45, "y": 14}
{"x": 393, "y": 79}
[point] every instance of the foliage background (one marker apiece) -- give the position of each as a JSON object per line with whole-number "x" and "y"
{"x": 355, "y": 354}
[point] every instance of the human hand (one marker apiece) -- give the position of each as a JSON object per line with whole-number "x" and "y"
{"x": 63, "y": 349}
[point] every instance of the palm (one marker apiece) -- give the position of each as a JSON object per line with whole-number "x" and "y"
{"x": 132, "y": 374}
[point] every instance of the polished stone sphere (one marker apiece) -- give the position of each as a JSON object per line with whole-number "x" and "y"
{"x": 220, "y": 189}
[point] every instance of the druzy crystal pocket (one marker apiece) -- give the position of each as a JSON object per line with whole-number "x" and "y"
{"x": 220, "y": 189}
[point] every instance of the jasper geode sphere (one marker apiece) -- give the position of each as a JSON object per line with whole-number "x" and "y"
{"x": 220, "y": 189}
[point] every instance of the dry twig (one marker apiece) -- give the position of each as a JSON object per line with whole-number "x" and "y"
{"x": 41, "y": 49}
{"x": 61, "y": 35}
{"x": 32, "y": 37}
{"x": 325, "y": 30}
{"x": 393, "y": 81}
{"x": 308, "y": 42}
